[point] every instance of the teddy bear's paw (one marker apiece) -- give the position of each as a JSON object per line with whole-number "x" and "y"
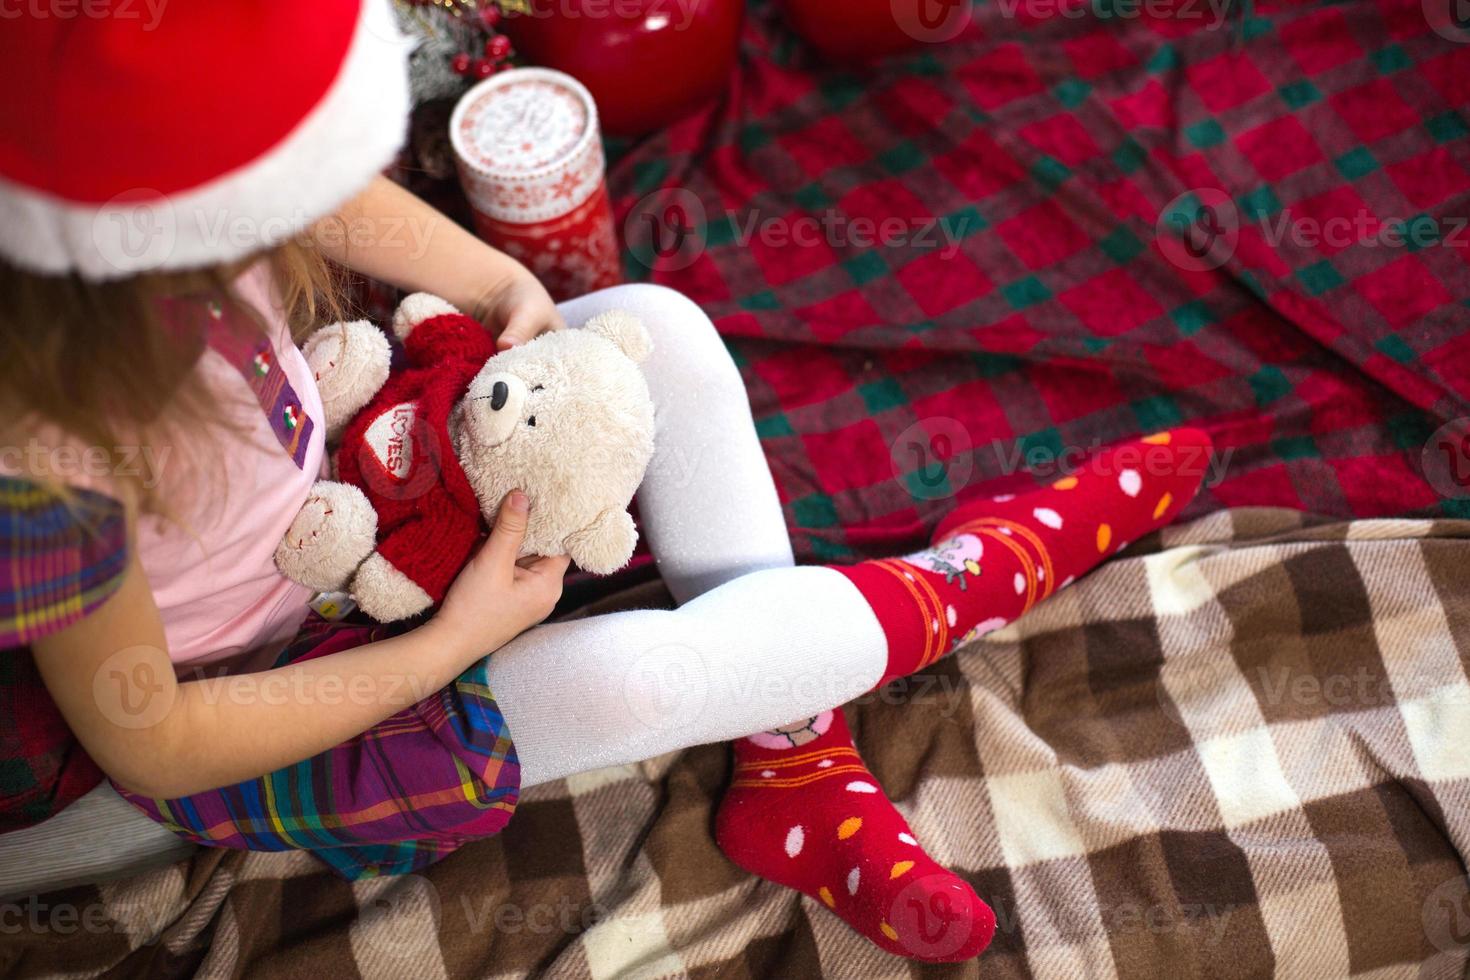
{"x": 350, "y": 362}
{"x": 333, "y": 532}
{"x": 605, "y": 545}
{"x": 417, "y": 309}
{"x": 626, "y": 331}
{"x": 385, "y": 593}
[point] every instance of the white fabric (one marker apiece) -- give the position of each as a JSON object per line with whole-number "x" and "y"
{"x": 346, "y": 139}
{"x": 709, "y": 508}
{"x": 753, "y": 654}
{"x": 762, "y": 644}
{"x": 98, "y": 837}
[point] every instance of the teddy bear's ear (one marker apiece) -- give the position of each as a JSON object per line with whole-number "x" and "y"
{"x": 626, "y": 332}
{"x": 416, "y": 309}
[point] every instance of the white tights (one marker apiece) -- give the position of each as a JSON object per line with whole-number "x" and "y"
{"x": 755, "y": 643}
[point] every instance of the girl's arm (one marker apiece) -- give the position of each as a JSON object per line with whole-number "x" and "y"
{"x": 111, "y": 677}
{"x": 388, "y": 233}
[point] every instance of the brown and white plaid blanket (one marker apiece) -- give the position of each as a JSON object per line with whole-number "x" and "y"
{"x": 1242, "y": 748}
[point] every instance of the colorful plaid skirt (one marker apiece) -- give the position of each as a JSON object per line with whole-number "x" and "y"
{"x": 399, "y": 797}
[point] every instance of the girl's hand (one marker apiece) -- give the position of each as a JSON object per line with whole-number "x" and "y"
{"x": 448, "y": 262}
{"x": 496, "y": 597}
{"x": 518, "y": 308}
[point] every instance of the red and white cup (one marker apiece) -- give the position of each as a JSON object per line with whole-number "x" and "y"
{"x": 529, "y": 153}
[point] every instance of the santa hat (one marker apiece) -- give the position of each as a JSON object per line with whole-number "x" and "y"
{"x": 138, "y": 136}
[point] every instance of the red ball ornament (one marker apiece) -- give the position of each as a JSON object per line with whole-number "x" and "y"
{"x": 646, "y": 62}
{"x": 484, "y": 69}
{"x": 859, "y": 30}
{"x": 460, "y": 64}
{"x": 490, "y": 16}
{"x": 497, "y": 47}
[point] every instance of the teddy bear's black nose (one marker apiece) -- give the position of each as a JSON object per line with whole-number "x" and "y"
{"x": 499, "y": 394}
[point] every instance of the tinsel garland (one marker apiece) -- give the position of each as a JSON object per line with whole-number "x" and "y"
{"x": 457, "y": 43}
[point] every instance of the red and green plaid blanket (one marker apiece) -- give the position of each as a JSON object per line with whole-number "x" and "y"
{"x": 1026, "y": 304}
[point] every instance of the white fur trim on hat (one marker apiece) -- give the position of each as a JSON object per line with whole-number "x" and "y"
{"x": 351, "y": 135}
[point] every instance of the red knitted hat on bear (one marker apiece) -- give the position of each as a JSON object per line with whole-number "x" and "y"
{"x": 147, "y": 135}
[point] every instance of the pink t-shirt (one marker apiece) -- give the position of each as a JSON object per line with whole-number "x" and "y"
{"x": 232, "y": 494}
{"x": 213, "y": 574}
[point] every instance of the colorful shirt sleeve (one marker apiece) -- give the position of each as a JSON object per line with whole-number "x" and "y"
{"x": 60, "y": 557}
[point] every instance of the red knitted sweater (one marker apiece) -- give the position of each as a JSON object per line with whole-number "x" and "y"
{"x": 398, "y": 451}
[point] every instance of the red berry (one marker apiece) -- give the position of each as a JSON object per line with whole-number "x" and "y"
{"x": 497, "y": 47}
{"x": 490, "y": 16}
{"x": 484, "y": 69}
{"x": 460, "y": 64}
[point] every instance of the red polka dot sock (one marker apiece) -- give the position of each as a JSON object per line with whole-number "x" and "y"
{"x": 994, "y": 559}
{"x": 804, "y": 811}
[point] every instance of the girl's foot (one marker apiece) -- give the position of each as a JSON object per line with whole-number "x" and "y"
{"x": 804, "y": 811}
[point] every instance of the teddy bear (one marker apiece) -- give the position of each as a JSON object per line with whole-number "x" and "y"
{"x": 427, "y": 451}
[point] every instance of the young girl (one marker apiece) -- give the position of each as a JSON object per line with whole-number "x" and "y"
{"x": 165, "y": 225}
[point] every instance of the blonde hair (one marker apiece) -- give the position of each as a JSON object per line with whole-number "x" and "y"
{"x": 95, "y": 361}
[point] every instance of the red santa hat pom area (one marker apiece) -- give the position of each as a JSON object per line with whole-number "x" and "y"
{"x": 147, "y": 137}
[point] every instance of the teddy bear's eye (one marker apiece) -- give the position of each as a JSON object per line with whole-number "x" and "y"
{"x": 538, "y": 388}
{"x": 531, "y": 421}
